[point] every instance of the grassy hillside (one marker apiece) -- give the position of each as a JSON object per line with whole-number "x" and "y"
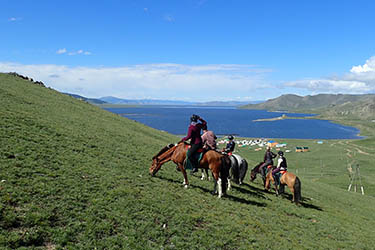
{"x": 76, "y": 177}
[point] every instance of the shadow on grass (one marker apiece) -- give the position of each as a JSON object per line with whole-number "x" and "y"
{"x": 258, "y": 192}
{"x": 227, "y": 196}
{"x": 244, "y": 201}
{"x": 302, "y": 202}
{"x": 288, "y": 196}
{"x": 179, "y": 182}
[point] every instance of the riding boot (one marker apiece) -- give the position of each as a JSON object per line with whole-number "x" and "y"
{"x": 195, "y": 169}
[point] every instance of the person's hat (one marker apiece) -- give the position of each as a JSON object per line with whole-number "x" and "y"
{"x": 194, "y": 118}
{"x": 230, "y": 137}
{"x": 281, "y": 153}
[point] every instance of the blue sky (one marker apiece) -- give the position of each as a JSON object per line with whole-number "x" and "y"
{"x": 197, "y": 50}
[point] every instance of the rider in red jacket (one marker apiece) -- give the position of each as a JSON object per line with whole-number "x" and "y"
{"x": 194, "y": 134}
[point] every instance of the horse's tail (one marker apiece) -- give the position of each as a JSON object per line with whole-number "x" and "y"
{"x": 243, "y": 170}
{"x": 224, "y": 171}
{"x": 297, "y": 190}
{"x": 234, "y": 169}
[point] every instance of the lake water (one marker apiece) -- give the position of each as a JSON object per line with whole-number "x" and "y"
{"x": 239, "y": 122}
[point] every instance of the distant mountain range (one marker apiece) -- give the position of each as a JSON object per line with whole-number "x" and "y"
{"x": 119, "y": 101}
{"x": 90, "y": 100}
{"x": 340, "y": 105}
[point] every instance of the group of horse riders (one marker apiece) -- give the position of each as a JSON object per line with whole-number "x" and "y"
{"x": 268, "y": 162}
{"x": 207, "y": 141}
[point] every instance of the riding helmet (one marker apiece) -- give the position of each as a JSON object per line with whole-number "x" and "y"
{"x": 230, "y": 137}
{"x": 194, "y": 118}
{"x": 281, "y": 153}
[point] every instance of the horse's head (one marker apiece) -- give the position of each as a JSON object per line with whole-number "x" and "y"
{"x": 253, "y": 175}
{"x": 162, "y": 157}
{"x": 155, "y": 166}
{"x": 254, "y": 172}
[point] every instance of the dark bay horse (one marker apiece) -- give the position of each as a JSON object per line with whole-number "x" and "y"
{"x": 256, "y": 170}
{"x": 289, "y": 179}
{"x": 212, "y": 160}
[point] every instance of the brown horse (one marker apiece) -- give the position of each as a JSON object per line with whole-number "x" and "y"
{"x": 289, "y": 179}
{"x": 212, "y": 160}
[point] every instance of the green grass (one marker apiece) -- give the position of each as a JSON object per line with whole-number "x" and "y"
{"x": 76, "y": 177}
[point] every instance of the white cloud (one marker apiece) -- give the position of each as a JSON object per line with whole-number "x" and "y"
{"x": 157, "y": 81}
{"x": 360, "y": 80}
{"x": 61, "y": 51}
{"x": 73, "y": 53}
{"x": 14, "y": 19}
{"x": 369, "y": 66}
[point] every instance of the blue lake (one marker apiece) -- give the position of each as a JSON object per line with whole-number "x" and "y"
{"x": 239, "y": 122}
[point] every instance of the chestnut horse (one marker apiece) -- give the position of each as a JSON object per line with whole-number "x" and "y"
{"x": 289, "y": 179}
{"x": 212, "y": 160}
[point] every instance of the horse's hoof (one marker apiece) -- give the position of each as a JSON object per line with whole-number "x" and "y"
{"x": 186, "y": 186}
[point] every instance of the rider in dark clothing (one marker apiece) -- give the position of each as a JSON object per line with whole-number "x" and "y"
{"x": 268, "y": 160}
{"x": 194, "y": 134}
{"x": 281, "y": 165}
{"x": 230, "y": 146}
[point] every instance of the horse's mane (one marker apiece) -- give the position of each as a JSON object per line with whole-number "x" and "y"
{"x": 163, "y": 150}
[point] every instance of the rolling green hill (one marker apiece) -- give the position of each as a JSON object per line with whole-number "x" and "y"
{"x": 73, "y": 176}
{"x": 339, "y": 104}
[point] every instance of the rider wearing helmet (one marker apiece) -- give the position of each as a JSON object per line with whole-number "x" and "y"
{"x": 230, "y": 145}
{"x": 194, "y": 134}
{"x": 281, "y": 164}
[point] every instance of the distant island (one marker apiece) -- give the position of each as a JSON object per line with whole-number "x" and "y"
{"x": 271, "y": 119}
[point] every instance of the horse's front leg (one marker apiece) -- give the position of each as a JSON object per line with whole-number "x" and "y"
{"x": 218, "y": 181}
{"x": 229, "y": 184}
{"x": 275, "y": 185}
{"x": 186, "y": 182}
{"x": 215, "y": 191}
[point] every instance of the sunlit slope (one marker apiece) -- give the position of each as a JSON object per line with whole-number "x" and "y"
{"x": 74, "y": 176}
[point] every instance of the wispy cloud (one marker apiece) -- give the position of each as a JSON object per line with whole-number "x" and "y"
{"x": 73, "y": 53}
{"x": 169, "y": 18}
{"x": 157, "y": 81}
{"x": 14, "y": 19}
{"x": 61, "y": 51}
{"x": 360, "y": 80}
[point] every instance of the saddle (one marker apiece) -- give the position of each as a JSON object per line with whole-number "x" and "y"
{"x": 198, "y": 155}
{"x": 278, "y": 176}
{"x": 268, "y": 168}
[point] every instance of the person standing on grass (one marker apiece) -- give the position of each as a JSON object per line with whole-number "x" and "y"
{"x": 194, "y": 134}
